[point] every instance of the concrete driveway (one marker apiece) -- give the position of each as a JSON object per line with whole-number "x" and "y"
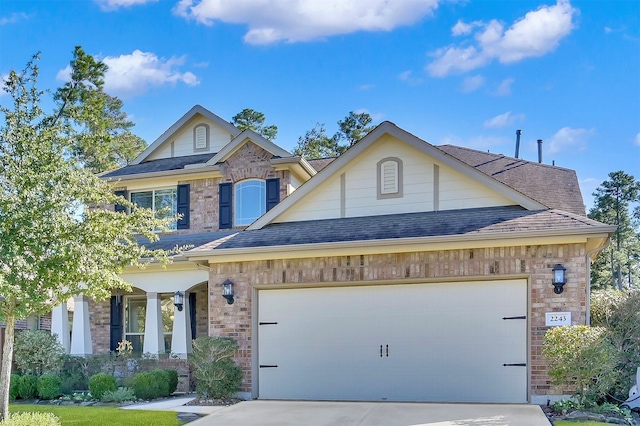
{"x": 315, "y": 413}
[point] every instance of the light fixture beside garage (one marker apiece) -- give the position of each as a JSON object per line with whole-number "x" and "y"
{"x": 227, "y": 291}
{"x": 559, "y": 278}
{"x": 178, "y": 300}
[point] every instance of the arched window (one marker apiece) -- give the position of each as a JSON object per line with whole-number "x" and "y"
{"x": 250, "y": 201}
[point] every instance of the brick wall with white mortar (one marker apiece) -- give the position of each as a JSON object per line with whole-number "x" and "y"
{"x": 531, "y": 262}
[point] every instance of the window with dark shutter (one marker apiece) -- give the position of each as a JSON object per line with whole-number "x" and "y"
{"x": 120, "y": 208}
{"x": 225, "y": 211}
{"x": 115, "y": 322}
{"x": 192, "y": 314}
{"x": 183, "y": 206}
{"x": 273, "y": 193}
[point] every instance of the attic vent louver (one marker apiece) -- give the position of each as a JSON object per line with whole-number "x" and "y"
{"x": 389, "y": 177}
{"x": 201, "y": 137}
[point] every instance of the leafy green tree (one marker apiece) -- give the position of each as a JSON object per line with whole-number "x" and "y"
{"x": 51, "y": 247}
{"x": 354, "y": 127}
{"x": 102, "y": 132}
{"x": 317, "y": 144}
{"x": 254, "y": 120}
{"x": 613, "y": 205}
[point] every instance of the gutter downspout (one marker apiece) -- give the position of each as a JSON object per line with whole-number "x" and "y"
{"x": 588, "y": 286}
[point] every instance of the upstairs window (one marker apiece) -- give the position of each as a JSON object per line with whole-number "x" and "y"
{"x": 389, "y": 176}
{"x": 158, "y": 200}
{"x": 250, "y": 201}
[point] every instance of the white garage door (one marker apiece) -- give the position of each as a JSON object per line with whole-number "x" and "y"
{"x": 449, "y": 342}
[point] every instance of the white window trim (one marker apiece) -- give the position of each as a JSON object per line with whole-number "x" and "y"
{"x": 236, "y": 198}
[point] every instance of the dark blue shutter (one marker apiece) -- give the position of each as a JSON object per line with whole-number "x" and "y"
{"x": 115, "y": 322}
{"x": 183, "y": 206}
{"x": 120, "y": 208}
{"x": 192, "y": 314}
{"x": 273, "y": 193}
{"x": 225, "y": 211}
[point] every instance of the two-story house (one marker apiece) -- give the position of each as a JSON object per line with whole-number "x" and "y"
{"x": 399, "y": 271}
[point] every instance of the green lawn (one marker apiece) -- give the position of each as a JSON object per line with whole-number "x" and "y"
{"x": 98, "y": 416}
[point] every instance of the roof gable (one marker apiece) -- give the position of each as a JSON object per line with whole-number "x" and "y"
{"x": 560, "y": 190}
{"x": 242, "y": 139}
{"x": 197, "y": 110}
{"x": 330, "y": 175}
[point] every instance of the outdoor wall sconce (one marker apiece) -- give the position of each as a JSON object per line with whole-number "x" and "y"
{"x": 178, "y": 300}
{"x": 559, "y": 278}
{"x": 227, "y": 291}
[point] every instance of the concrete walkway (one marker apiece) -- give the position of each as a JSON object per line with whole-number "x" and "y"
{"x": 175, "y": 404}
{"x": 315, "y": 413}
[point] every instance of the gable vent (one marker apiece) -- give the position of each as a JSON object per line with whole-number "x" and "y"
{"x": 201, "y": 137}
{"x": 389, "y": 183}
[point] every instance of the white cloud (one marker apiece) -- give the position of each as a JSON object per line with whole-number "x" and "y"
{"x": 367, "y": 87}
{"x": 304, "y": 20}
{"x": 110, "y": 5}
{"x": 133, "y": 74}
{"x": 503, "y": 120}
{"x": 537, "y": 33}
{"x": 377, "y": 116}
{"x": 407, "y": 77}
{"x": 471, "y": 84}
{"x": 638, "y": 139}
{"x": 13, "y": 18}
{"x": 568, "y": 138}
{"x": 460, "y": 28}
{"x": 504, "y": 88}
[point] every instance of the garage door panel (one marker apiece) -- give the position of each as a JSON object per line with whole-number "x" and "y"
{"x": 434, "y": 338}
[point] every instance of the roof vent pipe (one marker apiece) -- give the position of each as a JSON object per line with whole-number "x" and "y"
{"x": 539, "y": 150}
{"x": 518, "y": 133}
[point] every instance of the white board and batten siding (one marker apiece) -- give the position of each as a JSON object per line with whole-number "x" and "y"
{"x": 357, "y": 195}
{"x": 439, "y": 342}
{"x": 183, "y": 143}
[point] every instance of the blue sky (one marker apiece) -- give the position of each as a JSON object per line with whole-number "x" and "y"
{"x": 462, "y": 72}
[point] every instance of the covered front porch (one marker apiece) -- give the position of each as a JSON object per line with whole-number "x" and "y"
{"x": 148, "y": 316}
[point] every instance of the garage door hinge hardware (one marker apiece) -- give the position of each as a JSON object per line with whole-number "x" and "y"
{"x": 267, "y": 323}
{"x": 521, "y": 317}
{"x": 268, "y": 366}
{"x": 521, "y": 364}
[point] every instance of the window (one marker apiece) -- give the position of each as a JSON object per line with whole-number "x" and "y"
{"x": 201, "y": 138}
{"x": 135, "y": 313}
{"x": 389, "y": 175}
{"x": 250, "y": 201}
{"x": 163, "y": 201}
{"x": 242, "y": 203}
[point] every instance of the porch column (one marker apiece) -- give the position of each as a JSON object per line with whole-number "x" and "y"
{"x": 60, "y": 325}
{"x": 153, "y": 333}
{"x": 81, "y": 336}
{"x": 181, "y": 337}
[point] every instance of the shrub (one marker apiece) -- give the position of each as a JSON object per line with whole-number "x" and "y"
{"x": 74, "y": 376}
{"x": 145, "y": 386}
{"x": 30, "y": 419}
{"x": 119, "y": 395}
{"x": 162, "y": 379}
{"x": 619, "y": 312}
{"x": 14, "y": 386}
{"x": 173, "y": 380}
{"x": 48, "y": 386}
{"x": 214, "y": 370}
{"x": 27, "y": 386}
{"x": 581, "y": 356}
{"x": 101, "y": 383}
{"x": 37, "y": 352}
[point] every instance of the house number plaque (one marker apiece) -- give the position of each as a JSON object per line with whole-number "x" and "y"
{"x": 557, "y": 318}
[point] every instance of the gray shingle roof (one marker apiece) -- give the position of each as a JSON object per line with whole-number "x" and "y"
{"x": 160, "y": 165}
{"x": 320, "y": 163}
{"x": 469, "y": 222}
{"x": 170, "y": 241}
{"x": 555, "y": 187}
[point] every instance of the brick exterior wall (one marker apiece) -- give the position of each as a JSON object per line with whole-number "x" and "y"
{"x": 531, "y": 262}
